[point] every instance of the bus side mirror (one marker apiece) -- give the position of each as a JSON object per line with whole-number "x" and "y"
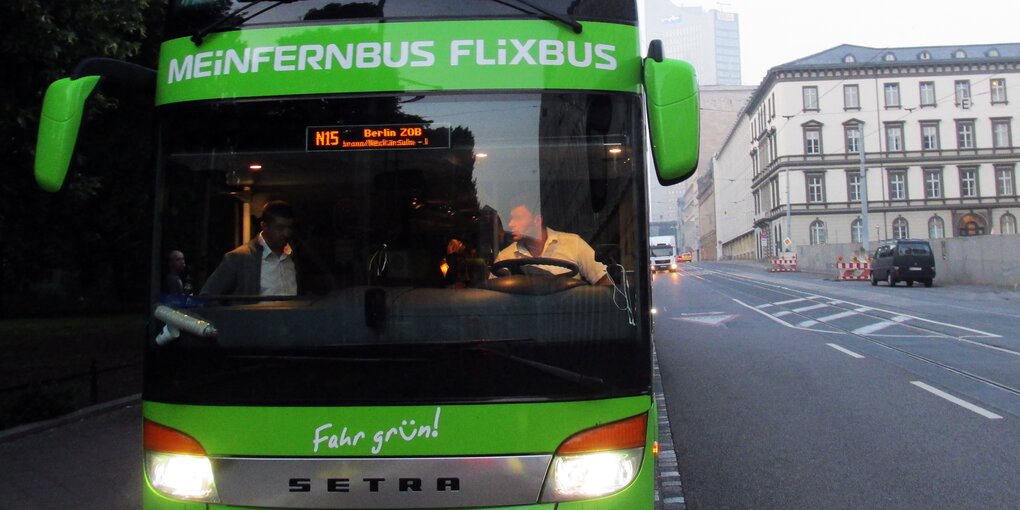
{"x": 671, "y": 92}
{"x": 59, "y": 123}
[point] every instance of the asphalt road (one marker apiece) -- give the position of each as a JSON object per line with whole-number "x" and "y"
{"x": 788, "y": 391}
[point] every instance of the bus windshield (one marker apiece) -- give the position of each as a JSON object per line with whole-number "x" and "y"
{"x": 401, "y": 205}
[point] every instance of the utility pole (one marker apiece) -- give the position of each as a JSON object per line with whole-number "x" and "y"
{"x": 789, "y": 232}
{"x": 864, "y": 192}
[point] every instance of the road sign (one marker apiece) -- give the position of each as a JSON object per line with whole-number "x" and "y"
{"x": 787, "y": 242}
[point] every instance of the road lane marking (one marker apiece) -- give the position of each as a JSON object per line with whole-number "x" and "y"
{"x": 812, "y": 307}
{"x": 782, "y": 313}
{"x": 798, "y": 300}
{"x": 845, "y": 351}
{"x": 871, "y": 328}
{"x": 960, "y": 402}
{"x": 780, "y": 321}
{"x": 807, "y": 323}
{"x": 833, "y": 317}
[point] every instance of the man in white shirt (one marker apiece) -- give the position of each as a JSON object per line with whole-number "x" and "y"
{"x": 263, "y": 266}
{"x": 533, "y": 239}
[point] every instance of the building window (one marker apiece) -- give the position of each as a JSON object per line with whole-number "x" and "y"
{"x": 849, "y": 59}
{"x": 936, "y": 228}
{"x": 857, "y": 231}
{"x": 968, "y": 182}
{"x": 1004, "y": 181}
{"x": 959, "y": 54}
{"x": 852, "y": 134}
{"x": 900, "y": 229}
{"x": 924, "y": 55}
{"x": 1007, "y": 224}
{"x": 972, "y": 225}
{"x": 933, "y": 184}
{"x": 812, "y": 139}
{"x": 998, "y": 86}
{"x": 816, "y": 188}
{"x": 894, "y": 137}
{"x": 965, "y": 134}
{"x": 851, "y": 97}
{"x": 818, "y": 232}
{"x": 962, "y": 88}
{"x": 810, "y": 99}
{"x": 889, "y": 57}
{"x": 1001, "y": 136}
{"x": 928, "y": 93}
{"x": 853, "y": 184}
{"x": 898, "y": 184}
{"x": 929, "y": 135}
{"x": 892, "y": 95}
{"x": 992, "y": 53}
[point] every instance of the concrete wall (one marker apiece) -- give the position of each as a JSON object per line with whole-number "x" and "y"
{"x": 978, "y": 260}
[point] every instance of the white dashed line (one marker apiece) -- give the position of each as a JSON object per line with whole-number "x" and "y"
{"x": 960, "y": 402}
{"x": 845, "y": 351}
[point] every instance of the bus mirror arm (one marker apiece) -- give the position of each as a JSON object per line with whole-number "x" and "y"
{"x": 178, "y": 321}
{"x": 64, "y": 107}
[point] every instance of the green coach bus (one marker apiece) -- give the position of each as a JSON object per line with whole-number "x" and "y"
{"x": 407, "y": 371}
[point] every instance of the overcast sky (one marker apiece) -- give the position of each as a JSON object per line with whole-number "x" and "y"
{"x": 774, "y": 32}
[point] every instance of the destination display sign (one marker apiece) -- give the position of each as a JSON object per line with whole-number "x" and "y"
{"x": 377, "y": 137}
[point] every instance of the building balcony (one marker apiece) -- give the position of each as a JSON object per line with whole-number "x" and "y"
{"x": 913, "y": 204}
{"x": 888, "y": 158}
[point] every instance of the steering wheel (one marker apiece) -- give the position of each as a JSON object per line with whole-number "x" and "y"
{"x": 516, "y": 266}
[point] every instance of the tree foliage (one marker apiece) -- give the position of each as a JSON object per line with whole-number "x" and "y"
{"x": 87, "y": 245}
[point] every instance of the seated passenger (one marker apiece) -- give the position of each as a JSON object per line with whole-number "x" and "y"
{"x": 533, "y": 239}
{"x": 263, "y": 266}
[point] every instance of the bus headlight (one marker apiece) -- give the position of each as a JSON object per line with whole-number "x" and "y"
{"x": 177, "y": 465}
{"x": 597, "y": 462}
{"x": 181, "y": 476}
{"x": 592, "y": 475}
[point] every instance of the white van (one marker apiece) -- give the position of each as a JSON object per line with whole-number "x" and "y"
{"x": 662, "y": 252}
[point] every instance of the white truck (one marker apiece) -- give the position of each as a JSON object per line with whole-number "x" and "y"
{"x": 662, "y": 250}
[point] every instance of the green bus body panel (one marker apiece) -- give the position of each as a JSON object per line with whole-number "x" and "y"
{"x": 671, "y": 89}
{"x": 465, "y": 430}
{"x": 400, "y": 57}
{"x": 391, "y": 431}
{"x": 59, "y": 123}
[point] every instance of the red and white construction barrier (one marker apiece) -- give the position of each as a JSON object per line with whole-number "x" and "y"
{"x": 853, "y": 271}
{"x": 784, "y": 263}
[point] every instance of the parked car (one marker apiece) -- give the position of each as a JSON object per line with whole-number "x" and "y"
{"x": 903, "y": 260}
{"x": 685, "y": 257}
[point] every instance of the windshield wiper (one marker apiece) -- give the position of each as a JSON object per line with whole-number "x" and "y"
{"x": 562, "y": 18}
{"x": 232, "y": 20}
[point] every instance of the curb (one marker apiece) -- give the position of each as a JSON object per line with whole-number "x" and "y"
{"x": 28, "y": 429}
{"x": 669, "y": 493}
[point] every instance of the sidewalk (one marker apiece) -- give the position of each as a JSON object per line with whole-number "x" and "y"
{"x": 87, "y": 461}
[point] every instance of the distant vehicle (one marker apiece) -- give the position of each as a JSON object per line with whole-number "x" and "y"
{"x": 685, "y": 257}
{"x": 903, "y": 260}
{"x": 662, "y": 252}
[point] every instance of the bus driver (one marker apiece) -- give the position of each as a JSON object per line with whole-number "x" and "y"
{"x": 533, "y": 239}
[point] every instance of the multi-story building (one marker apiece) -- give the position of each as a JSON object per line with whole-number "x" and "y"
{"x": 934, "y": 124}
{"x": 709, "y": 40}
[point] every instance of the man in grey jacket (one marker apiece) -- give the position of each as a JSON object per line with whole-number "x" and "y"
{"x": 263, "y": 266}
